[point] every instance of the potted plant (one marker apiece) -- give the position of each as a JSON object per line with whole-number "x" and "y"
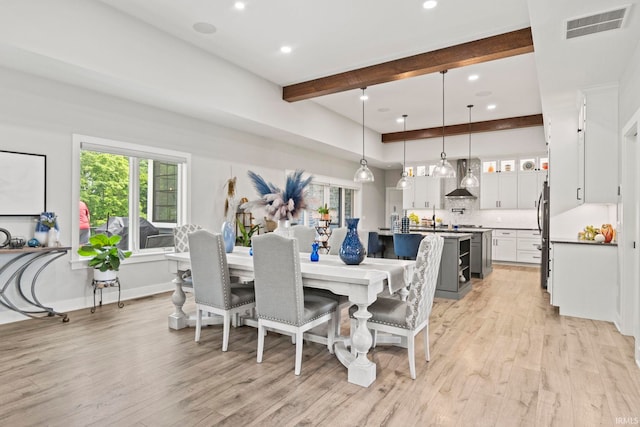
{"x": 244, "y": 239}
{"x": 324, "y": 213}
{"x": 106, "y": 256}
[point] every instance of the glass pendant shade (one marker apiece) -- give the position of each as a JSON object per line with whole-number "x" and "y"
{"x": 443, "y": 169}
{"x": 363, "y": 174}
{"x": 469, "y": 180}
{"x": 404, "y": 182}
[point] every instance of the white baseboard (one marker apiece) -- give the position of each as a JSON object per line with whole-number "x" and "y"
{"x": 109, "y": 296}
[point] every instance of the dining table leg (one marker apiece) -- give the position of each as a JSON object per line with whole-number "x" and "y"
{"x": 362, "y": 371}
{"x": 178, "y": 319}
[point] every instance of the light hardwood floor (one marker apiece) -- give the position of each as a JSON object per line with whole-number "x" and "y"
{"x": 501, "y": 356}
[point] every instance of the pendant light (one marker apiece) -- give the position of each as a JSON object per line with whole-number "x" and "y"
{"x": 363, "y": 174}
{"x": 404, "y": 182}
{"x": 443, "y": 169}
{"x": 469, "y": 180}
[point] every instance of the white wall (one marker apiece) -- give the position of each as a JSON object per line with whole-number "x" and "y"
{"x": 39, "y": 116}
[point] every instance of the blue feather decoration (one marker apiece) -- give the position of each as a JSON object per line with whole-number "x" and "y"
{"x": 280, "y": 204}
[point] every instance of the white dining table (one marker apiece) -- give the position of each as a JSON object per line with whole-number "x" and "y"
{"x": 361, "y": 283}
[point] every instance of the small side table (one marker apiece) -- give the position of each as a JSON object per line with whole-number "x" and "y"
{"x": 101, "y": 284}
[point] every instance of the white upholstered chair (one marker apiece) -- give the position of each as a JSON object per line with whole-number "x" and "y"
{"x": 408, "y": 318}
{"x": 281, "y": 302}
{"x": 212, "y": 289}
{"x": 305, "y": 236}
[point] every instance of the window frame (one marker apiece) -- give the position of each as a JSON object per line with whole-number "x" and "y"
{"x": 137, "y": 151}
{"x": 343, "y": 184}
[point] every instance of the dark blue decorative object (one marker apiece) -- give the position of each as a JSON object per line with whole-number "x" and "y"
{"x": 404, "y": 227}
{"x": 229, "y": 236}
{"x": 351, "y": 251}
{"x": 251, "y": 251}
{"x": 314, "y": 252}
{"x": 33, "y": 243}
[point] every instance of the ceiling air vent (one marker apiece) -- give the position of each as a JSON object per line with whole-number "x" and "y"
{"x": 611, "y": 20}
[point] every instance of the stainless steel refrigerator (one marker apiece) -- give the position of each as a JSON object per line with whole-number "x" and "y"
{"x": 543, "y": 226}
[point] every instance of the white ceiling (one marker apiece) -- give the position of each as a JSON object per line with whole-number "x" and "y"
{"x": 336, "y": 35}
{"x": 329, "y": 37}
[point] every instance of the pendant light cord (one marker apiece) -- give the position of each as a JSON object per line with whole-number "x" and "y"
{"x": 404, "y": 145}
{"x": 443, "y": 155}
{"x": 363, "y": 99}
{"x": 470, "y": 106}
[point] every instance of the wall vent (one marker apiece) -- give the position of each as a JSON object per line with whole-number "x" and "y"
{"x": 604, "y": 21}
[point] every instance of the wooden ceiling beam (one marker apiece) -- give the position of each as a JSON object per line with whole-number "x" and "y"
{"x": 460, "y": 129}
{"x": 488, "y": 49}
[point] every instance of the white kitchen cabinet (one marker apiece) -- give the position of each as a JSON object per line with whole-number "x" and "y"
{"x": 425, "y": 193}
{"x": 528, "y": 244}
{"x": 584, "y": 279}
{"x": 529, "y": 188}
{"x": 504, "y": 246}
{"x": 597, "y": 146}
{"x": 499, "y": 190}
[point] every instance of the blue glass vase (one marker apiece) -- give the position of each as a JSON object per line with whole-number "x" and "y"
{"x": 314, "y": 257}
{"x": 229, "y": 236}
{"x": 351, "y": 251}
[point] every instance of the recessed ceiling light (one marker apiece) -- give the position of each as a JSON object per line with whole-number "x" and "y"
{"x": 430, "y": 4}
{"x": 239, "y": 5}
{"x": 491, "y": 107}
{"x": 400, "y": 120}
{"x": 204, "y": 28}
{"x": 472, "y": 77}
{"x": 285, "y": 49}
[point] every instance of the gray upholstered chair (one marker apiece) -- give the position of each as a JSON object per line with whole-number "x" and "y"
{"x": 408, "y": 318}
{"x": 281, "y": 302}
{"x": 212, "y": 288}
{"x": 181, "y": 244}
{"x": 336, "y": 239}
{"x": 305, "y": 236}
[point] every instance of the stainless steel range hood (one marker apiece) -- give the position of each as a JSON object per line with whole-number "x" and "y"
{"x": 459, "y": 192}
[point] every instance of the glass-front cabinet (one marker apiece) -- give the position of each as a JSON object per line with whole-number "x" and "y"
{"x": 513, "y": 183}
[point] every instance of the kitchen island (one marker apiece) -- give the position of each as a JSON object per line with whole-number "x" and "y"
{"x": 454, "y": 277}
{"x": 481, "y": 263}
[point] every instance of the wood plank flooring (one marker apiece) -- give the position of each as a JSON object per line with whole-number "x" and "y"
{"x": 502, "y": 356}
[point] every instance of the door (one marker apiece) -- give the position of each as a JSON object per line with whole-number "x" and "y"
{"x": 489, "y": 193}
{"x": 393, "y": 204}
{"x": 508, "y": 190}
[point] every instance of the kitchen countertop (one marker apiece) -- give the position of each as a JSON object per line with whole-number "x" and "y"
{"x": 445, "y": 229}
{"x": 445, "y": 234}
{"x": 582, "y": 242}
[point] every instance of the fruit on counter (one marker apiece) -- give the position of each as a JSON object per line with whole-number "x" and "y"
{"x": 608, "y": 232}
{"x": 414, "y": 218}
{"x": 599, "y": 238}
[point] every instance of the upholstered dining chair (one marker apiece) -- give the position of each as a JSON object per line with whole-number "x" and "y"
{"x": 408, "y": 318}
{"x": 281, "y": 302}
{"x": 406, "y": 245}
{"x": 335, "y": 240}
{"x": 181, "y": 244}
{"x": 212, "y": 288}
{"x": 305, "y": 235}
{"x": 374, "y": 246}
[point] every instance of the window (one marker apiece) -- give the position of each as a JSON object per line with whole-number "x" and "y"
{"x": 339, "y": 199}
{"x": 134, "y": 191}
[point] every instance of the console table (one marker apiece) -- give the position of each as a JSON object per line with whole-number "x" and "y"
{"x": 33, "y": 261}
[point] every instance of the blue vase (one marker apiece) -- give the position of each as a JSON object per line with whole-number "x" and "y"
{"x": 229, "y": 236}
{"x": 352, "y": 252}
{"x": 314, "y": 257}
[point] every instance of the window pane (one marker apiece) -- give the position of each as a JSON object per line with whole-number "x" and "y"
{"x": 349, "y": 195}
{"x": 315, "y": 196}
{"x": 104, "y": 187}
{"x": 334, "y": 205}
{"x": 158, "y": 203}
